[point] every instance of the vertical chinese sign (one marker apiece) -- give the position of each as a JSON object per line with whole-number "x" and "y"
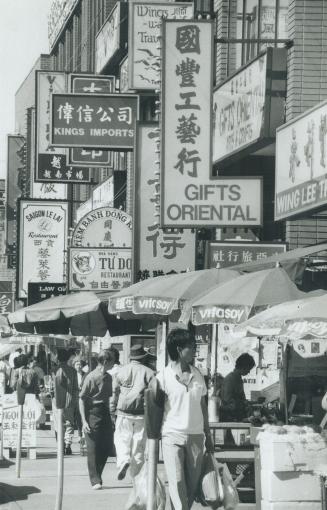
{"x": 16, "y": 180}
{"x": 155, "y": 252}
{"x": 42, "y": 242}
{"x": 187, "y": 64}
{"x": 50, "y": 161}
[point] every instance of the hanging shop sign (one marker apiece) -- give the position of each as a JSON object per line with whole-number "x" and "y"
{"x": 47, "y": 83}
{"x": 16, "y": 180}
{"x": 94, "y": 121}
{"x": 249, "y": 106}
{"x": 155, "y": 252}
{"x": 145, "y": 19}
{"x": 10, "y": 417}
{"x": 221, "y": 254}
{"x": 60, "y": 12}
{"x": 41, "y": 190}
{"x": 94, "y": 269}
{"x": 123, "y": 76}
{"x": 55, "y": 169}
{"x": 301, "y": 163}
{"x": 186, "y": 117}
{"x": 42, "y": 242}
{"x": 39, "y": 291}
{"x": 2, "y": 230}
{"x": 111, "y": 40}
{"x": 7, "y": 300}
{"x": 90, "y": 84}
{"x": 105, "y": 227}
{"x": 49, "y": 191}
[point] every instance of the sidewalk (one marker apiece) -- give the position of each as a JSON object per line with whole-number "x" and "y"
{"x": 36, "y": 489}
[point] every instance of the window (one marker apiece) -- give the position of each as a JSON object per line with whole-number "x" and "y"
{"x": 257, "y": 21}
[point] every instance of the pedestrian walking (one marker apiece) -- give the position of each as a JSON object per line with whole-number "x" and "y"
{"x": 78, "y": 366}
{"x": 115, "y": 386}
{"x": 67, "y": 378}
{"x": 130, "y": 436}
{"x": 94, "y": 408}
{"x": 185, "y": 427}
{"x": 26, "y": 376}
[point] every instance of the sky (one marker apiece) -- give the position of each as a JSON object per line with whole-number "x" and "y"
{"x": 23, "y": 36}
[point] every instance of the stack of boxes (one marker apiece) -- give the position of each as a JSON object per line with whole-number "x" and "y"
{"x": 290, "y": 459}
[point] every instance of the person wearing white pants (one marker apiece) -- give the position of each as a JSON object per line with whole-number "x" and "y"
{"x": 130, "y": 442}
{"x": 130, "y": 435}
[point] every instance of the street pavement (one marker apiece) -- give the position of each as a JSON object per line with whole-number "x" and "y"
{"x": 36, "y": 489}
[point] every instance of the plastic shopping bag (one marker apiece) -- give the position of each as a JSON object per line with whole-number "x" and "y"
{"x": 138, "y": 496}
{"x": 211, "y": 491}
{"x": 231, "y": 499}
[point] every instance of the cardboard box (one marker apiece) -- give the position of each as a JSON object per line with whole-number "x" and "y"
{"x": 289, "y": 505}
{"x": 292, "y": 455}
{"x": 290, "y": 486}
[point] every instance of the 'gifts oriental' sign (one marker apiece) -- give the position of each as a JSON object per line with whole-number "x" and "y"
{"x": 187, "y": 56}
{"x": 42, "y": 242}
{"x": 144, "y": 39}
{"x": 249, "y": 106}
{"x": 301, "y": 163}
{"x": 94, "y": 120}
{"x": 155, "y": 251}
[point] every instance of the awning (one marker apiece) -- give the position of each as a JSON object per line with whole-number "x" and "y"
{"x": 292, "y": 261}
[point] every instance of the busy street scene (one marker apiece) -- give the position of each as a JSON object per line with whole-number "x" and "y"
{"x": 163, "y": 255}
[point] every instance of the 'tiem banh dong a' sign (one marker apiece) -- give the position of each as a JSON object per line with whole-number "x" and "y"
{"x": 91, "y": 120}
{"x": 188, "y": 197}
{"x": 301, "y": 163}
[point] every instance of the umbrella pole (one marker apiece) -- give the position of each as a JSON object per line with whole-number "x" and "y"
{"x": 19, "y": 440}
{"x": 60, "y": 457}
{"x": 153, "y": 457}
{"x": 89, "y": 341}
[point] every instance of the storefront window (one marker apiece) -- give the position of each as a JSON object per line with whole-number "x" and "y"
{"x": 235, "y": 32}
{"x": 256, "y": 20}
{"x": 282, "y": 32}
{"x": 251, "y": 28}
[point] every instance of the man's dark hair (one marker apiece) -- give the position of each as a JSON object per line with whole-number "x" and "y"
{"x": 115, "y": 353}
{"x": 245, "y": 361}
{"x": 63, "y": 355}
{"x": 21, "y": 361}
{"x": 178, "y": 338}
{"x": 105, "y": 356}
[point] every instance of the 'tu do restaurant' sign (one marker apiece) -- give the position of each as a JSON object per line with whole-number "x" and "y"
{"x": 94, "y": 121}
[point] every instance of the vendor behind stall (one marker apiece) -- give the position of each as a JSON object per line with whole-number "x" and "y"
{"x": 234, "y": 405}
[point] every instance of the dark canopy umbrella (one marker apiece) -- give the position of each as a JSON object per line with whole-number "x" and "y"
{"x": 80, "y": 314}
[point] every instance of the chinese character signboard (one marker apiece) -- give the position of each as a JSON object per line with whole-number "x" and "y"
{"x": 16, "y": 180}
{"x": 31, "y": 413}
{"x": 107, "y": 269}
{"x": 39, "y": 291}
{"x": 42, "y": 242}
{"x": 47, "y": 83}
{"x": 94, "y": 121}
{"x": 55, "y": 169}
{"x": 7, "y": 299}
{"x": 144, "y": 39}
{"x": 249, "y": 106}
{"x": 104, "y": 227}
{"x": 155, "y": 252}
{"x": 90, "y": 84}
{"x": 221, "y": 254}
{"x": 301, "y": 163}
{"x": 123, "y": 76}
{"x": 111, "y": 39}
